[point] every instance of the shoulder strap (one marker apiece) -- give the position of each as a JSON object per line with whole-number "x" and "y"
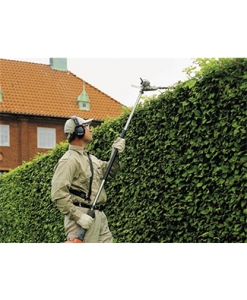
{"x": 91, "y": 178}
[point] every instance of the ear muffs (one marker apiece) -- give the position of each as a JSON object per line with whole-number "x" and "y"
{"x": 79, "y": 129}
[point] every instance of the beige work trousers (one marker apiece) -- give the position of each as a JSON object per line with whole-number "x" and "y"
{"x": 99, "y": 231}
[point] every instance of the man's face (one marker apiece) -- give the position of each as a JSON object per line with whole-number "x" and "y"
{"x": 87, "y": 138}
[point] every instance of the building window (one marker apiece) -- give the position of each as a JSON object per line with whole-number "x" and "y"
{"x": 4, "y": 135}
{"x": 46, "y": 138}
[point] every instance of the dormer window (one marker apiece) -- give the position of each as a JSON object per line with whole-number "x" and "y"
{"x": 84, "y": 105}
{"x": 83, "y": 100}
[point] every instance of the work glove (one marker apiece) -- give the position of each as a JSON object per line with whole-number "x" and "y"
{"x": 85, "y": 221}
{"x": 119, "y": 144}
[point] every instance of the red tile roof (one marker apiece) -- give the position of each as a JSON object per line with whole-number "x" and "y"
{"x": 37, "y": 89}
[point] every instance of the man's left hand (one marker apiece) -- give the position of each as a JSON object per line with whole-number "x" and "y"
{"x": 119, "y": 144}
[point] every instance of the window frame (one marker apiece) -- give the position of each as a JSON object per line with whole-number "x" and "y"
{"x": 40, "y": 144}
{"x": 8, "y": 135}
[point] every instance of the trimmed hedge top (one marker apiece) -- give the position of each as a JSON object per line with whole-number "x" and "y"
{"x": 183, "y": 175}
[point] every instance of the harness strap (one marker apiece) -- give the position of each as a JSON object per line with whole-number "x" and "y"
{"x": 80, "y": 193}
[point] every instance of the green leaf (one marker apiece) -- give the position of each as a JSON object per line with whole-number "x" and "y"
{"x": 243, "y": 203}
{"x": 191, "y": 83}
{"x": 185, "y": 103}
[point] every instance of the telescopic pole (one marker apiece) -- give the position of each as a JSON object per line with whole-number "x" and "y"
{"x": 114, "y": 155}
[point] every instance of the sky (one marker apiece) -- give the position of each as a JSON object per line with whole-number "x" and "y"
{"x": 115, "y": 76}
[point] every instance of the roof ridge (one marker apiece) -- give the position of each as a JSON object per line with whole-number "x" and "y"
{"x": 21, "y": 61}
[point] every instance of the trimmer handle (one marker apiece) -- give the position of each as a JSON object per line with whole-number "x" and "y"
{"x": 81, "y": 234}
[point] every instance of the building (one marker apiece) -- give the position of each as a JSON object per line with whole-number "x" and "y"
{"x": 36, "y": 100}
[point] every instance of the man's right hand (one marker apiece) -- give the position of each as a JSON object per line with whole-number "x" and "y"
{"x": 85, "y": 221}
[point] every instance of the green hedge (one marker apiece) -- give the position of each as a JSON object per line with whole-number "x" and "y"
{"x": 183, "y": 175}
{"x": 184, "y": 169}
{"x": 26, "y": 211}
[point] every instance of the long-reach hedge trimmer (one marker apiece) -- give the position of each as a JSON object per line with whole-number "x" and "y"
{"x": 145, "y": 86}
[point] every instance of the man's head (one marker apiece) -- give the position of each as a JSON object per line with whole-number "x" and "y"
{"x": 78, "y": 128}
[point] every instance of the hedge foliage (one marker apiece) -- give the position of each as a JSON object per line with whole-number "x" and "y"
{"x": 26, "y": 211}
{"x": 183, "y": 175}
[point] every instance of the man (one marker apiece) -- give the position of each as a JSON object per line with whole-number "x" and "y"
{"x": 76, "y": 181}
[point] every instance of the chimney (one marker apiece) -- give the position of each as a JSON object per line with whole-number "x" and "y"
{"x": 59, "y": 64}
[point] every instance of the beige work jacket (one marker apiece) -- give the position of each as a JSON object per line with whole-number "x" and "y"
{"x": 73, "y": 172}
